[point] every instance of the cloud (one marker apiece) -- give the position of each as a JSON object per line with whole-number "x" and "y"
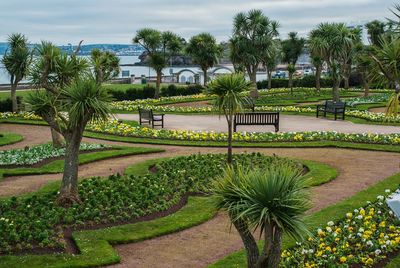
{"x": 104, "y": 21}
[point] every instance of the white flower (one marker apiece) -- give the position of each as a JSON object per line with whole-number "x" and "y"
{"x": 329, "y": 229}
{"x": 369, "y": 243}
{"x": 387, "y": 191}
{"x": 378, "y": 251}
{"x": 380, "y": 197}
{"x": 359, "y": 217}
{"x": 331, "y": 223}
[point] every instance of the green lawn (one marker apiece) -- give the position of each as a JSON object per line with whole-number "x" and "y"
{"x": 84, "y": 158}
{"x": 6, "y": 94}
{"x": 9, "y": 138}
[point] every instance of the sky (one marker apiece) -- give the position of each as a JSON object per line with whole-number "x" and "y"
{"x": 116, "y": 21}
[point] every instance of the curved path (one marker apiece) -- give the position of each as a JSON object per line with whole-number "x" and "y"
{"x": 210, "y": 241}
{"x": 288, "y": 123}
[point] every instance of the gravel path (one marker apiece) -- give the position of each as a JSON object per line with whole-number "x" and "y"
{"x": 288, "y": 123}
{"x": 208, "y": 242}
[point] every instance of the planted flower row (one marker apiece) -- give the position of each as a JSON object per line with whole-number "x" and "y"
{"x": 117, "y": 128}
{"x": 370, "y": 99}
{"x": 36, "y": 221}
{"x": 364, "y": 236}
{"x": 36, "y": 154}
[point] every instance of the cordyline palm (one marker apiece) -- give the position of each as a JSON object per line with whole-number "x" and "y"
{"x": 54, "y": 70}
{"x": 229, "y": 101}
{"x": 105, "y": 65}
{"x": 160, "y": 47}
{"x": 364, "y": 65}
{"x": 271, "y": 200}
{"x": 330, "y": 41}
{"x": 387, "y": 68}
{"x": 82, "y": 101}
{"x": 349, "y": 53}
{"x": 16, "y": 61}
{"x": 204, "y": 51}
{"x": 253, "y": 35}
{"x": 291, "y": 50}
{"x": 375, "y": 30}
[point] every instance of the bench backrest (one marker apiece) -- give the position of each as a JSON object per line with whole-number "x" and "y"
{"x": 334, "y": 104}
{"x": 257, "y": 118}
{"x": 146, "y": 114}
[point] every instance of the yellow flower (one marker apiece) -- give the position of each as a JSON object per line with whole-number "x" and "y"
{"x": 343, "y": 259}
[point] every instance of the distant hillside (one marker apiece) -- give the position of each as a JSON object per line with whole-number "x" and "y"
{"x": 119, "y": 49}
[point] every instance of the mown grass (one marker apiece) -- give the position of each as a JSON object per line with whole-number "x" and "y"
{"x": 9, "y": 138}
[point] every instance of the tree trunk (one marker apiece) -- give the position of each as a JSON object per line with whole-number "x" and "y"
{"x": 269, "y": 79}
{"x": 230, "y": 140}
{"x": 158, "y": 85}
{"x": 291, "y": 82}
{"x": 346, "y": 82}
{"x": 397, "y": 87}
{"x": 275, "y": 253}
{"x": 335, "y": 91}
{"x": 57, "y": 138}
{"x": 14, "y": 97}
{"x": 365, "y": 85}
{"x": 249, "y": 243}
{"x": 265, "y": 254}
{"x": 69, "y": 186}
{"x": 205, "y": 77}
{"x": 318, "y": 79}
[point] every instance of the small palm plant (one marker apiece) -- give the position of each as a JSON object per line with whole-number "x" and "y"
{"x": 272, "y": 201}
{"x": 229, "y": 101}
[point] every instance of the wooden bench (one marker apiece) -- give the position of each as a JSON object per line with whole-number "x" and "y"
{"x": 265, "y": 119}
{"x": 336, "y": 108}
{"x": 148, "y": 117}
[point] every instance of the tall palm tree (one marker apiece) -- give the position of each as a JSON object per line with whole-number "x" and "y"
{"x": 349, "y": 53}
{"x": 205, "y": 51}
{"x": 253, "y": 35}
{"x": 229, "y": 101}
{"x": 105, "y": 65}
{"x": 330, "y": 41}
{"x": 364, "y": 65}
{"x": 160, "y": 48}
{"x": 271, "y": 200}
{"x": 84, "y": 100}
{"x": 16, "y": 61}
{"x": 318, "y": 62}
{"x": 291, "y": 50}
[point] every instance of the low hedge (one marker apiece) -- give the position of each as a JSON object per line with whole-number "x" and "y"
{"x": 148, "y": 91}
{"x": 6, "y": 105}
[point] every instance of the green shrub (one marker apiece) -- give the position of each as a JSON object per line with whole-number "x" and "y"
{"x": 6, "y": 105}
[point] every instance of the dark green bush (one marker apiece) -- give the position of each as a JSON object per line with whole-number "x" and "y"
{"x": 148, "y": 92}
{"x": 6, "y": 105}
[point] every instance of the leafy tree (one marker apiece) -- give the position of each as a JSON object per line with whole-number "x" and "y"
{"x": 349, "y": 53}
{"x": 375, "y": 30}
{"x": 271, "y": 200}
{"x": 364, "y": 65}
{"x": 291, "y": 50}
{"x": 331, "y": 41}
{"x": 318, "y": 62}
{"x": 205, "y": 51}
{"x": 252, "y": 39}
{"x": 16, "y": 61}
{"x": 160, "y": 47}
{"x": 229, "y": 101}
{"x": 271, "y": 60}
{"x": 105, "y": 65}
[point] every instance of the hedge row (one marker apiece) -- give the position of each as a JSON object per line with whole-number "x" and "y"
{"x": 149, "y": 90}
{"x": 6, "y": 105}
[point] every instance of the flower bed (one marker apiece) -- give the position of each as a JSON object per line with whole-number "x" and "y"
{"x": 36, "y": 154}
{"x": 116, "y": 128}
{"x": 36, "y": 222}
{"x": 370, "y": 99}
{"x": 364, "y": 237}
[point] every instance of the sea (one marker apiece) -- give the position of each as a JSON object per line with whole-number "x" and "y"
{"x": 138, "y": 71}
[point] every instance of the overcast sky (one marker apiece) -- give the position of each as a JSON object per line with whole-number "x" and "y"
{"x": 116, "y": 21}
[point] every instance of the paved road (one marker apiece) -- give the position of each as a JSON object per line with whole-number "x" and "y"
{"x": 288, "y": 123}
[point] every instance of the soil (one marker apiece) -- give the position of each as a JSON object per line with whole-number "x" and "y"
{"x": 210, "y": 241}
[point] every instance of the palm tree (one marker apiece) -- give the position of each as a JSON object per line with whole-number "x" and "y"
{"x": 364, "y": 65}
{"x": 375, "y": 30}
{"x": 291, "y": 50}
{"x": 349, "y": 53}
{"x": 16, "y": 61}
{"x": 53, "y": 70}
{"x": 271, "y": 60}
{"x": 229, "y": 101}
{"x": 272, "y": 200}
{"x": 317, "y": 61}
{"x": 105, "y": 65}
{"x": 68, "y": 112}
{"x": 330, "y": 41}
{"x": 205, "y": 51}
{"x": 253, "y": 35}
{"x": 160, "y": 48}
{"x": 387, "y": 68}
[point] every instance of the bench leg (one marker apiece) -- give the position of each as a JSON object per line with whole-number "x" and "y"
{"x": 234, "y": 127}
{"x": 277, "y": 128}
{"x": 335, "y": 116}
{"x": 343, "y": 116}
{"x": 317, "y": 113}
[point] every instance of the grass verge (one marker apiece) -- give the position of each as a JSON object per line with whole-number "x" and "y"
{"x": 9, "y": 138}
